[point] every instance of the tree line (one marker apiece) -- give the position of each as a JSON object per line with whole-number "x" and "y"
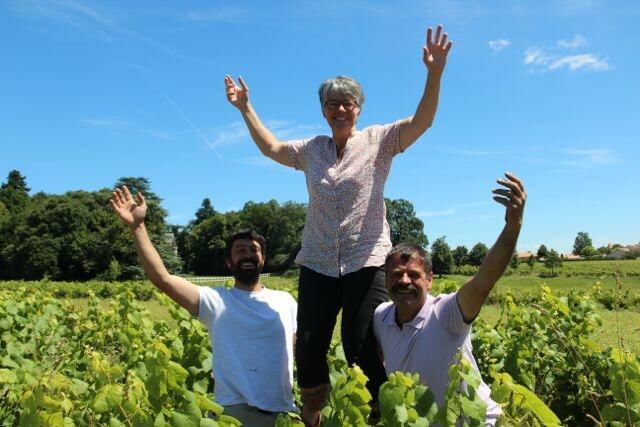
{"x": 75, "y": 237}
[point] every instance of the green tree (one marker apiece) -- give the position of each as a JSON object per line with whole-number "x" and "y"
{"x": 582, "y": 241}
{"x": 553, "y": 261}
{"x": 460, "y": 255}
{"x": 281, "y": 225}
{"x": 204, "y": 211}
{"x": 477, "y": 254}
{"x": 404, "y": 224}
{"x": 441, "y": 257}
{"x": 542, "y": 253}
{"x": 14, "y": 193}
{"x": 75, "y": 237}
{"x": 531, "y": 262}
{"x": 588, "y": 251}
{"x": 515, "y": 262}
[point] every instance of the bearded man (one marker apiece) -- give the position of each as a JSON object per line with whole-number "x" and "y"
{"x": 252, "y": 328}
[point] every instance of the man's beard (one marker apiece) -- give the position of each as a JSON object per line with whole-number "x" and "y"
{"x": 246, "y": 276}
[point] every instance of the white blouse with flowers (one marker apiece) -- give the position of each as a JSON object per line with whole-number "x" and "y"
{"x": 346, "y": 227}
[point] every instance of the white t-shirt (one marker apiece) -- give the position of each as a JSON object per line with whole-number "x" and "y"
{"x": 252, "y": 341}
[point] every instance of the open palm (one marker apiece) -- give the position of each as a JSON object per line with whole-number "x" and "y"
{"x": 123, "y": 204}
{"x": 436, "y": 50}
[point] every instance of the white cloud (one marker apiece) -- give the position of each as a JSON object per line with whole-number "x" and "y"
{"x": 541, "y": 60}
{"x": 498, "y": 45}
{"x": 590, "y": 157}
{"x": 536, "y": 56}
{"x": 85, "y": 18}
{"x": 578, "y": 41}
{"x": 587, "y": 61}
{"x": 232, "y": 134}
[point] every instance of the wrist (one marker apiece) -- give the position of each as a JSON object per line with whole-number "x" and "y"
{"x": 137, "y": 225}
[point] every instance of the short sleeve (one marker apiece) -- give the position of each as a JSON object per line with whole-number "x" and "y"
{"x": 448, "y": 313}
{"x": 298, "y": 153}
{"x": 209, "y": 305}
{"x": 294, "y": 314}
{"x": 389, "y": 137}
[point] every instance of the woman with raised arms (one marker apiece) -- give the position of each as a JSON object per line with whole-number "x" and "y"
{"x": 346, "y": 235}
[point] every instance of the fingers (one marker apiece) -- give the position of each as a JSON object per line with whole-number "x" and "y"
{"x": 127, "y": 194}
{"x": 438, "y": 32}
{"x": 448, "y": 47}
{"x": 441, "y": 39}
{"x": 243, "y": 84}
{"x": 122, "y": 197}
{"x": 513, "y": 195}
{"x": 141, "y": 198}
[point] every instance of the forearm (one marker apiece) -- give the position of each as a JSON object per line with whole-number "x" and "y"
{"x": 497, "y": 259}
{"x": 425, "y": 112}
{"x": 262, "y": 136}
{"x": 149, "y": 258}
{"x": 474, "y": 293}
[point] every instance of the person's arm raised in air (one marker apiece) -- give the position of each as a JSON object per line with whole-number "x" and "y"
{"x": 435, "y": 58}
{"x": 473, "y": 294}
{"x": 268, "y": 144}
{"x": 132, "y": 215}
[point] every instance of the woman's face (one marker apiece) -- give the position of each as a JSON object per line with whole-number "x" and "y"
{"x": 341, "y": 114}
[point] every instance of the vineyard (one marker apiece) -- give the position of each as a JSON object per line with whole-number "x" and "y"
{"x": 109, "y": 361}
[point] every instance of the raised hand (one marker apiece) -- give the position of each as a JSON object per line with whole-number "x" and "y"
{"x": 130, "y": 212}
{"x": 238, "y": 96}
{"x": 436, "y": 50}
{"x": 513, "y": 197}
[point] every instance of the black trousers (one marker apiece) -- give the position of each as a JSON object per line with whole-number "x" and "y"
{"x": 320, "y": 298}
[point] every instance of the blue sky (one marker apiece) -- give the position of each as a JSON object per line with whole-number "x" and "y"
{"x": 92, "y": 91}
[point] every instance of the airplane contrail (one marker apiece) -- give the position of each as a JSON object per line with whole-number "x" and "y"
{"x": 184, "y": 116}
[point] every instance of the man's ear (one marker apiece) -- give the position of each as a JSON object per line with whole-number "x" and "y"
{"x": 429, "y": 280}
{"x": 227, "y": 263}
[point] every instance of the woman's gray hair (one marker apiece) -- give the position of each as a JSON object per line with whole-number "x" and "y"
{"x": 341, "y": 88}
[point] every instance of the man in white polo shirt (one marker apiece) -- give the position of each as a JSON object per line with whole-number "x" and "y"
{"x": 252, "y": 328}
{"x": 420, "y": 333}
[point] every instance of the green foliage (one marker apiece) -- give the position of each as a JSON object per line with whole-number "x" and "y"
{"x": 202, "y": 243}
{"x": 405, "y": 226}
{"x": 542, "y": 253}
{"x": 477, "y": 254}
{"x": 556, "y": 360}
{"x": 521, "y": 406}
{"x": 625, "y": 389}
{"x": 74, "y": 236}
{"x": 531, "y": 262}
{"x": 515, "y": 262}
{"x": 581, "y": 242}
{"x": 460, "y": 256}
{"x": 406, "y": 402}
{"x": 441, "y": 257}
{"x": 97, "y": 367}
{"x": 553, "y": 261}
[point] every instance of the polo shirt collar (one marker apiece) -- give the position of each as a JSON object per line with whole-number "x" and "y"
{"x": 417, "y": 322}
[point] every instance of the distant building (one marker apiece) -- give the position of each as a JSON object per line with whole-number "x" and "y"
{"x": 624, "y": 252}
{"x": 570, "y": 257}
{"x": 524, "y": 256}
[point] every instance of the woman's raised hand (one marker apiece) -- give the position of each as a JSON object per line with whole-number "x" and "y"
{"x": 238, "y": 96}
{"x": 436, "y": 50}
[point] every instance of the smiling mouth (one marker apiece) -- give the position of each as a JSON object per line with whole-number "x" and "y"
{"x": 404, "y": 290}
